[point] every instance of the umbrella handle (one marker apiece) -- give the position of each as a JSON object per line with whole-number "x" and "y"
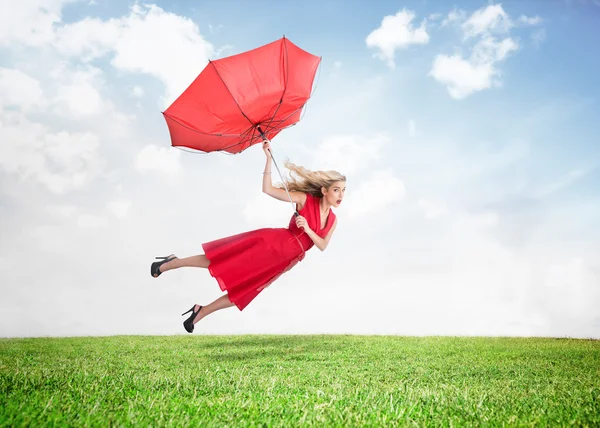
{"x": 296, "y": 214}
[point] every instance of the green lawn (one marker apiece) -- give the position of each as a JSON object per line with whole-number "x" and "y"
{"x": 291, "y": 380}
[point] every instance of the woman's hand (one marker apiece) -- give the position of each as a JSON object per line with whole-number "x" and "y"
{"x": 266, "y": 147}
{"x": 302, "y": 224}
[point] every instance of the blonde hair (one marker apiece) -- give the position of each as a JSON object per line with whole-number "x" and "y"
{"x": 307, "y": 181}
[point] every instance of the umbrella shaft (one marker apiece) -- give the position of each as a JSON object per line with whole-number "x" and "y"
{"x": 279, "y": 172}
{"x": 284, "y": 185}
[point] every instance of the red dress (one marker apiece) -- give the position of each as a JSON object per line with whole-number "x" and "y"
{"x": 242, "y": 263}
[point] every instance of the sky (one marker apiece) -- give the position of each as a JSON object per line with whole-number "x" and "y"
{"x": 468, "y": 132}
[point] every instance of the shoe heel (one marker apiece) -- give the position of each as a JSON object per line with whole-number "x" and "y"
{"x": 188, "y": 324}
{"x": 155, "y": 267}
{"x": 190, "y": 310}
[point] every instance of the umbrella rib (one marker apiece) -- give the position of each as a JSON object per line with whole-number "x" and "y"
{"x": 232, "y": 97}
{"x": 268, "y": 126}
{"x": 241, "y": 143}
{"x": 286, "y": 82}
{"x": 242, "y": 135}
{"x": 200, "y": 132}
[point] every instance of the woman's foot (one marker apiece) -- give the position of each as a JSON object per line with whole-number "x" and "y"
{"x": 155, "y": 268}
{"x": 188, "y": 324}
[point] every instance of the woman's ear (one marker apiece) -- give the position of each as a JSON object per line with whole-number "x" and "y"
{"x": 323, "y": 191}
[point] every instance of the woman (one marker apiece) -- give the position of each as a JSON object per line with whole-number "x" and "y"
{"x": 247, "y": 263}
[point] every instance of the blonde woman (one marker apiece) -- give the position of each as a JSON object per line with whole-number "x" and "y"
{"x": 247, "y": 263}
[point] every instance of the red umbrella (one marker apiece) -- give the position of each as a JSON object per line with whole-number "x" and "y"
{"x": 224, "y": 106}
{"x": 237, "y": 101}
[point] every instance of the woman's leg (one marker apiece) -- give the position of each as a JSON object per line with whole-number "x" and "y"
{"x": 221, "y": 303}
{"x": 194, "y": 261}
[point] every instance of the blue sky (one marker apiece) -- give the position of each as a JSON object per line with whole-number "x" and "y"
{"x": 468, "y": 132}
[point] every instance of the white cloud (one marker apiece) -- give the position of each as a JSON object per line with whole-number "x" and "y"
{"x": 396, "y": 32}
{"x": 89, "y": 38}
{"x": 432, "y": 209}
{"x": 163, "y": 44}
{"x": 349, "y": 153}
{"x": 375, "y": 194}
{"x": 335, "y": 69}
{"x": 565, "y": 287}
{"x": 63, "y": 211}
{"x": 19, "y": 89}
{"x": 412, "y": 128}
{"x": 29, "y": 22}
{"x": 223, "y": 51}
{"x": 149, "y": 40}
{"x": 489, "y": 51}
{"x": 46, "y": 149}
{"x": 72, "y": 92}
{"x": 161, "y": 159}
{"x": 538, "y": 36}
{"x": 485, "y": 219}
{"x": 119, "y": 208}
{"x": 214, "y": 29}
{"x": 464, "y": 76}
{"x": 530, "y": 20}
{"x": 137, "y": 91}
{"x": 62, "y": 161}
{"x": 461, "y": 76}
{"x": 78, "y": 93}
{"x": 486, "y": 20}
{"x": 90, "y": 221}
{"x": 264, "y": 211}
{"x": 561, "y": 183}
{"x": 454, "y": 15}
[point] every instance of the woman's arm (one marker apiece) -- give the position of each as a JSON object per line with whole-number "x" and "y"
{"x": 320, "y": 243}
{"x": 298, "y": 198}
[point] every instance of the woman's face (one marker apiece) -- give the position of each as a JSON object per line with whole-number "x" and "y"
{"x": 335, "y": 194}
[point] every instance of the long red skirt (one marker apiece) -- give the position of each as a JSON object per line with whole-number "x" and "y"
{"x": 242, "y": 263}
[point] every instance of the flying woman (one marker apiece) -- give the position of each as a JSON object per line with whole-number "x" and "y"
{"x": 247, "y": 263}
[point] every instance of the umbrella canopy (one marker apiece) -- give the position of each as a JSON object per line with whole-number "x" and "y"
{"x": 234, "y": 98}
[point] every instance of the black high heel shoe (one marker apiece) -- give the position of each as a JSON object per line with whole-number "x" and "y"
{"x": 155, "y": 267}
{"x": 188, "y": 324}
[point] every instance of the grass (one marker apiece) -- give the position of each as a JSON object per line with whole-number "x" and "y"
{"x": 292, "y": 380}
